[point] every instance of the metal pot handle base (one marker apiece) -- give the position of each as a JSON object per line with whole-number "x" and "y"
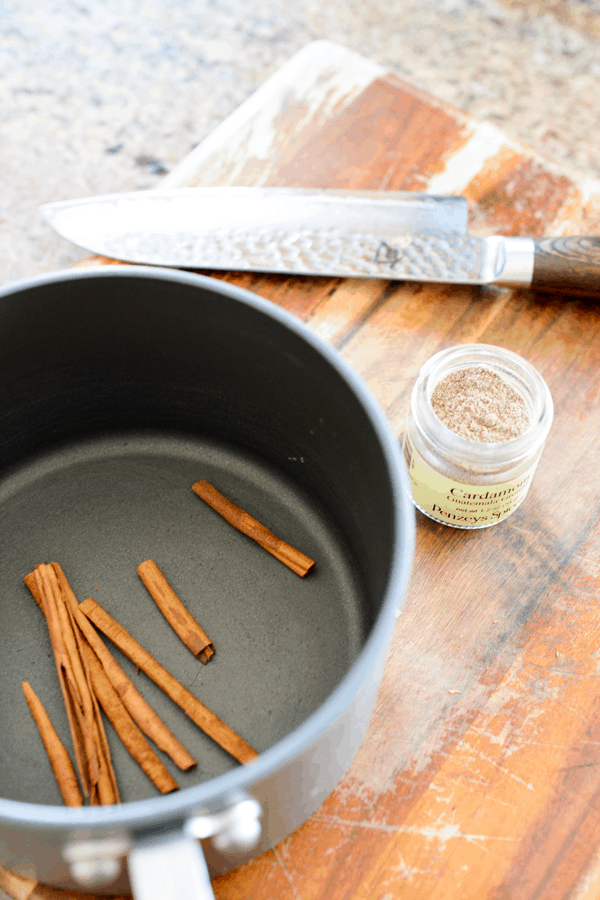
{"x": 168, "y": 867}
{"x": 173, "y": 870}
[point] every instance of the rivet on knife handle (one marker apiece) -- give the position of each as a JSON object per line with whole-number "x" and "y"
{"x": 570, "y": 264}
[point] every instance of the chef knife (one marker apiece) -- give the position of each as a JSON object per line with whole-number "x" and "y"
{"x": 394, "y": 235}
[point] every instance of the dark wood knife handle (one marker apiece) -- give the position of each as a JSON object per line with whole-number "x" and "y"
{"x": 569, "y": 264}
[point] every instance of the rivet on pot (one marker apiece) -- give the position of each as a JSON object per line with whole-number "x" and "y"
{"x": 236, "y": 828}
{"x": 96, "y": 862}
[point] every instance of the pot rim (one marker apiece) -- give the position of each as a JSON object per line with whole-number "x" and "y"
{"x": 232, "y": 784}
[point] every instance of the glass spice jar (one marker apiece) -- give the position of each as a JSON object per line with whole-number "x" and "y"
{"x": 467, "y": 483}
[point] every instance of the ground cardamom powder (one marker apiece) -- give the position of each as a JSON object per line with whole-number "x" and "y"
{"x": 478, "y": 404}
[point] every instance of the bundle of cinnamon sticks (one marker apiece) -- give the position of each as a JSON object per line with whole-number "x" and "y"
{"x": 91, "y": 679}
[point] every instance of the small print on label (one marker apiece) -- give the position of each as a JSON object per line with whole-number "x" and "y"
{"x": 464, "y": 505}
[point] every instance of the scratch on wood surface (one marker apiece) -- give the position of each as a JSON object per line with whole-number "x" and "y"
{"x": 495, "y": 737}
{"x": 516, "y": 742}
{"x": 434, "y": 832}
{"x": 403, "y": 869}
{"x": 571, "y": 709}
{"x": 287, "y": 873}
{"x": 497, "y": 765}
{"x": 580, "y": 766}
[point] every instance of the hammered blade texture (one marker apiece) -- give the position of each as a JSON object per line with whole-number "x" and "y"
{"x": 423, "y": 257}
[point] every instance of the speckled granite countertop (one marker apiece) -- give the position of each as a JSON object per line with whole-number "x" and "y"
{"x": 107, "y": 95}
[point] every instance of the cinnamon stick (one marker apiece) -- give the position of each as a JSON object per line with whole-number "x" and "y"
{"x": 58, "y": 755}
{"x": 197, "y": 711}
{"x": 178, "y": 617}
{"x": 134, "y": 704}
{"x": 108, "y": 791}
{"x": 66, "y": 686}
{"x": 74, "y": 727}
{"x": 130, "y": 735}
{"x": 139, "y": 709}
{"x": 244, "y": 522}
{"x": 87, "y": 729}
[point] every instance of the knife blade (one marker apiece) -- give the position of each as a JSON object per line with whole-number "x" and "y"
{"x": 392, "y": 235}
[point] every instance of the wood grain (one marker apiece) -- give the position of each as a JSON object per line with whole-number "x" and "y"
{"x": 564, "y": 262}
{"x": 479, "y": 777}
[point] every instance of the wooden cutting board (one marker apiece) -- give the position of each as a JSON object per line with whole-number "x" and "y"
{"x": 479, "y": 778}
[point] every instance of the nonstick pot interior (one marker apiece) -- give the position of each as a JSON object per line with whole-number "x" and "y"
{"x": 117, "y": 393}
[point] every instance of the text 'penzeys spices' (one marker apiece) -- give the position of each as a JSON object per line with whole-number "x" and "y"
{"x": 478, "y": 420}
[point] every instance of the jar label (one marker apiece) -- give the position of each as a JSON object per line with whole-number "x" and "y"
{"x": 465, "y": 505}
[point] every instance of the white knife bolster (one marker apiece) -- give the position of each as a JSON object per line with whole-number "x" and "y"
{"x": 509, "y": 261}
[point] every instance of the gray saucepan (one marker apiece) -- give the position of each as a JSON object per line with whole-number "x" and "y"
{"x": 119, "y": 388}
